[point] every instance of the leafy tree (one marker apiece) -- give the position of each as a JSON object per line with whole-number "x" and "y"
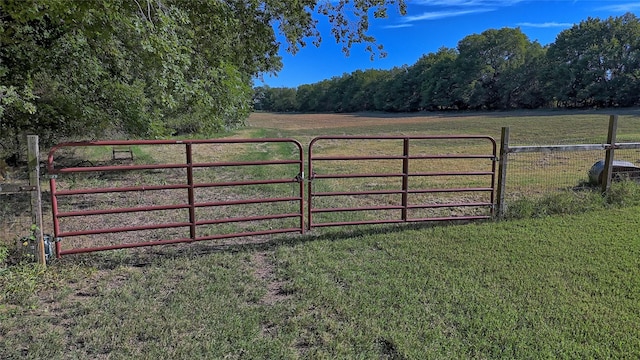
{"x": 438, "y": 86}
{"x": 485, "y": 64}
{"x": 383, "y": 97}
{"x": 307, "y": 99}
{"x": 284, "y": 99}
{"x": 153, "y": 67}
{"x": 361, "y": 90}
{"x": 596, "y": 62}
{"x": 525, "y": 88}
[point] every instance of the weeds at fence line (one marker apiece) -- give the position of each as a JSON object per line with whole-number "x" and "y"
{"x": 589, "y": 198}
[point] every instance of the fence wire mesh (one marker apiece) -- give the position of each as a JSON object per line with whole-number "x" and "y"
{"x": 15, "y": 206}
{"x": 537, "y": 174}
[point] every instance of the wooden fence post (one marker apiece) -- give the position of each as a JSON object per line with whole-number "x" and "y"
{"x": 608, "y": 160}
{"x": 502, "y": 171}
{"x": 33, "y": 155}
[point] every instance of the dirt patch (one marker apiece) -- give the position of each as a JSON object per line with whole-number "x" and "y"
{"x": 265, "y": 271}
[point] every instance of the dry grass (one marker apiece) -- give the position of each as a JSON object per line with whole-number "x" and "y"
{"x": 292, "y": 122}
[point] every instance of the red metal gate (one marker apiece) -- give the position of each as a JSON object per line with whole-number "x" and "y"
{"x": 188, "y": 201}
{"x": 393, "y": 179}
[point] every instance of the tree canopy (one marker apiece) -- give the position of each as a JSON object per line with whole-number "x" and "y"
{"x": 595, "y": 63}
{"x": 153, "y": 67}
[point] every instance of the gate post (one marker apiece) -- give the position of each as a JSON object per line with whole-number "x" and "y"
{"x": 33, "y": 155}
{"x": 608, "y": 160}
{"x": 502, "y": 171}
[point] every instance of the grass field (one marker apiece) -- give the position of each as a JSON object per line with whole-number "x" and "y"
{"x": 551, "y": 287}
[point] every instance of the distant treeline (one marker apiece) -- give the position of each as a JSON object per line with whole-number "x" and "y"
{"x": 593, "y": 64}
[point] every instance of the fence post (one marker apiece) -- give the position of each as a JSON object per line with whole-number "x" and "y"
{"x": 608, "y": 160}
{"x": 33, "y": 155}
{"x": 502, "y": 171}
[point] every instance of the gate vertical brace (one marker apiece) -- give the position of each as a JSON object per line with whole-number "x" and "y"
{"x": 190, "y": 192}
{"x": 502, "y": 171}
{"x": 608, "y": 160}
{"x": 54, "y": 213}
{"x": 301, "y": 186}
{"x": 405, "y": 178}
{"x": 309, "y": 187}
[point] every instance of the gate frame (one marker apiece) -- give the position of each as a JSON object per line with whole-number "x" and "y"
{"x": 191, "y": 205}
{"x": 405, "y": 157}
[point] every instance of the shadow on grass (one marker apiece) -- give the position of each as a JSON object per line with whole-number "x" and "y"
{"x": 631, "y": 111}
{"x": 152, "y": 255}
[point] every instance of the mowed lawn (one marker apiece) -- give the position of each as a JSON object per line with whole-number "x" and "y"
{"x": 553, "y": 287}
{"x": 557, "y": 287}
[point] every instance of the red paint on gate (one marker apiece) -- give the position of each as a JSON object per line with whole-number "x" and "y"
{"x": 404, "y": 191}
{"x": 190, "y": 202}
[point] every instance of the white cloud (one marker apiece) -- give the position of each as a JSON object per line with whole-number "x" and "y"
{"x": 441, "y": 9}
{"x": 467, "y": 3}
{"x": 397, "y": 26}
{"x": 630, "y": 7}
{"x": 545, "y": 25}
{"x": 452, "y": 8}
{"x": 433, "y": 15}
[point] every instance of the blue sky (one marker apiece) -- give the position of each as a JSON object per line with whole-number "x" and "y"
{"x": 431, "y": 24}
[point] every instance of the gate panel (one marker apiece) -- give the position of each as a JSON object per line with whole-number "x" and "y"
{"x": 394, "y": 179}
{"x": 174, "y": 192}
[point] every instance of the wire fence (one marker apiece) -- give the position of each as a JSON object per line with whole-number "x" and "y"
{"x": 16, "y": 213}
{"x": 535, "y": 171}
{"x": 538, "y": 174}
{"x": 21, "y": 204}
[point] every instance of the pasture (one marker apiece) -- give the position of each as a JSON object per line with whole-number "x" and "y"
{"x": 562, "y": 286}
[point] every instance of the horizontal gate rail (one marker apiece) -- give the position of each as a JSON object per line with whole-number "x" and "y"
{"x": 188, "y": 203}
{"x": 407, "y": 161}
{"x": 122, "y": 189}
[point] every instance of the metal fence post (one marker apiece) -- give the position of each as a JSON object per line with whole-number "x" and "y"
{"x": 33, "y": 155}
{"x": 608, "y": 161}
{"x": 502, "y": 171}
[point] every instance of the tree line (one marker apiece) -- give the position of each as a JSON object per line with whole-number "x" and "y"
{"x": 595, "y": 63}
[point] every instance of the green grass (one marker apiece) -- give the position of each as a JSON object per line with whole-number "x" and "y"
{"x": 551, "y": 288}
{"x": 561, "y": 286}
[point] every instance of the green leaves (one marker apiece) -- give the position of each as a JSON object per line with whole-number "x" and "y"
{"x": 151, "y": 68}
{"x": 593, "y": 63}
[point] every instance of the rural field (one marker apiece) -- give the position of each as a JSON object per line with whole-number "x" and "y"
{"x": 544, "y": 286}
